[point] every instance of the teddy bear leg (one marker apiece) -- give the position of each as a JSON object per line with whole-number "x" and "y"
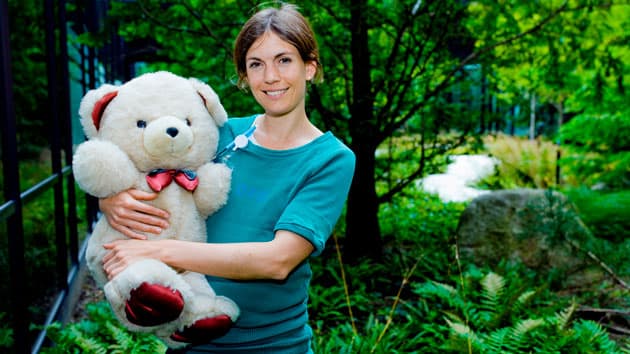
{"x": 204, "y": 330}
{"x": 208, "y": 317}
{"x": 153, "y": 304}
{"x": 148, "y": 295}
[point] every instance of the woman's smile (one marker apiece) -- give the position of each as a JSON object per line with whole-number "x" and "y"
{"x": 275, "y": 93}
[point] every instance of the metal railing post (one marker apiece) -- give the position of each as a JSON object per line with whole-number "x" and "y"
{"x": 11, "y": 173}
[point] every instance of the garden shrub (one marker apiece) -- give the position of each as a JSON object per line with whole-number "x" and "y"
{"x": 597, "y": 149}
{"x": 604, "y": 212}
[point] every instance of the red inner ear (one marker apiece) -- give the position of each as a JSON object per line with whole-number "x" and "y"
{"x": 99, "y": 108}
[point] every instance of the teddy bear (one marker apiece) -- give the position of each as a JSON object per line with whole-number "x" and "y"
{"x": 157, "y": 132}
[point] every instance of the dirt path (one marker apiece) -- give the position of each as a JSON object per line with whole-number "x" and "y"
{"x": 90, "y": 293}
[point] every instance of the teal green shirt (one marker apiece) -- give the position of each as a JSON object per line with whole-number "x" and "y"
{"x": 302, "y": 190}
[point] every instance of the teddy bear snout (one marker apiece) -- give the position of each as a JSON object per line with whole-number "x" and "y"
{"x": 167, "y": 136}
{"x": 172, "y": 131}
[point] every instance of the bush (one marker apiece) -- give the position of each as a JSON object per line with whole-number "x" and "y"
{"x": 605, "y": 213}
{"x": 598, "y": 150}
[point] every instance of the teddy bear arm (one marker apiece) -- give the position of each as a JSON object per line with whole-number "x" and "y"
{"x": 214, "y": 186}
{"x": 102, "y": 169}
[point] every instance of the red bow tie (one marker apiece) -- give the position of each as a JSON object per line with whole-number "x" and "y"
{"x": 159, "y": 178}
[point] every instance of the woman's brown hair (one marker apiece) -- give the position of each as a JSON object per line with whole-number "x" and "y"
{"x": 286, "y": 22}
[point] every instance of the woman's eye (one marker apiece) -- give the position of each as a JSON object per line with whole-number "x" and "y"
{"x": 188, "y": 122}
{"x": 141, "y": 124}
{"x": 254, "y": 65}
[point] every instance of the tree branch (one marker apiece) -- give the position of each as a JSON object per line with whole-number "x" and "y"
{"x": 446, "y": 80}
{"x": 206, "y": 29}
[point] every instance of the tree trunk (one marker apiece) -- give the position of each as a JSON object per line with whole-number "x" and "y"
{"x": 560, "y": 108}
{"x": 532, "y": 116}
{"x": 363, "y": 235}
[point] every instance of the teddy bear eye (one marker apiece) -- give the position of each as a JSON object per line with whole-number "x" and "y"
{"x": 141, "y": 124}
{"x": 188, "y": 122}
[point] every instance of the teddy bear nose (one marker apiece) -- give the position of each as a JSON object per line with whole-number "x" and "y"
{"x": 172, "y": 132}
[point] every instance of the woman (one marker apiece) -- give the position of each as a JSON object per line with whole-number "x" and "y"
{"x": 289, "y": 184}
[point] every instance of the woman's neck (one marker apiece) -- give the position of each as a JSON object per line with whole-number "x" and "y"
{"x": 281, "y": 133}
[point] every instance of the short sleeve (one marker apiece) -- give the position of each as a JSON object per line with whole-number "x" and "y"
{"x": 315, "y": 208}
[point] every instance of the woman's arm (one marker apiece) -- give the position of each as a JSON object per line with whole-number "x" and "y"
{"x": 248, "y": 260}
{"x": 127, "y": 214}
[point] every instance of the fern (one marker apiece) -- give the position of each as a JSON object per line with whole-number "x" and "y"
{"x": 100, "y": 333}
{"x": 523, "y": 300}
{"x": 502, "y": 319}
{"x": 519, "y": 332}
{"x": 462, "y": 338}
{"x": 493, "y": 287}
{"x": 591, "y": 335}
{"x": 563, "y": 318}
{"x": 498, "y": 340}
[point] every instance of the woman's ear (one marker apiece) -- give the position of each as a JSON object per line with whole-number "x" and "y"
{"x": 311, "y": 69}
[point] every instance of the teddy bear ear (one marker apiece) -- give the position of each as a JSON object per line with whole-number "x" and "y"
{"x": 93, "y": 105}
{"x": 210, "y": 100}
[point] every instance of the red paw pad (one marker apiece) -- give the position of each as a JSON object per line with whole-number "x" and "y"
{"x": 204, "y": 330}
{"x": 153, "y": 304}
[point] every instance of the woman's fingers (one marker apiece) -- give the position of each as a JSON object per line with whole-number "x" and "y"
{"x": 146, "y": 208}
{"x": 149, "y": 222}
{"x": 121, "y": 254}
{"x": 128, "y": 231}
{"x": 127, "y": 213}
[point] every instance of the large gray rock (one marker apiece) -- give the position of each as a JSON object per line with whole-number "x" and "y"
{"x": 527, "y": 225}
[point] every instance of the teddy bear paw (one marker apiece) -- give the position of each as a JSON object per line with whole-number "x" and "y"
{"x": 204, "y": 330}
{"x": 153, "y": 304}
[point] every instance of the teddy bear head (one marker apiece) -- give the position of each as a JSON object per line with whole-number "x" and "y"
{"x": 159, "y": 119}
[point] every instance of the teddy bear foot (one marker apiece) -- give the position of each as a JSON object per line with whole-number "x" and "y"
{"x": 153, "y": 304}
{"x": 204, "y": 330}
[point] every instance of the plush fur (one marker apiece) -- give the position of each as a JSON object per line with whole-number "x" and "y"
{"x": 128, "y": 130}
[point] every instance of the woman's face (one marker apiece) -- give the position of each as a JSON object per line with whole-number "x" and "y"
{"x": 277, "y": 75}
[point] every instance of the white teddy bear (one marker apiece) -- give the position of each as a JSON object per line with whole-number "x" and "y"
{"x": 153, "y": 130}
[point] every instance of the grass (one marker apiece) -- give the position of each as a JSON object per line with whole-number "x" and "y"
{"x": 524, "y": 163}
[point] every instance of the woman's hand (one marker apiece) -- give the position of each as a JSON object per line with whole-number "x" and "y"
{"x": 122, "y": 253}
{"x": 127, "y": 214}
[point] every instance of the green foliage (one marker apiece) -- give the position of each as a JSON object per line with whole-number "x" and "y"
{"x": 28, "y": 53}
{"x": 486, "y": 315}
{"x": 605, "y": 213}
{"x": 40, "y": 244}
{"x": 6, "y": 333}
{"x": 484, "y": 311}
{"x": 417, "y": 216}
{"x": 341, "y": 339}
{"x": 100, "y": 333}
{"x": 192, "y": 39}
{"x": 569, "y": 54}
{"x": 598, "y": 149}
{"x": 327, "y": 293}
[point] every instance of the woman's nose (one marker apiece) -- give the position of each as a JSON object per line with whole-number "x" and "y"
{"x": 271, "y": 74}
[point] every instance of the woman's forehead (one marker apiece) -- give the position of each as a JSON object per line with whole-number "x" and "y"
{"x": 270, "y": 44}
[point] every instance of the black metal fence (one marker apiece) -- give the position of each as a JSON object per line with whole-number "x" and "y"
{"x": 69, "y": 251}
